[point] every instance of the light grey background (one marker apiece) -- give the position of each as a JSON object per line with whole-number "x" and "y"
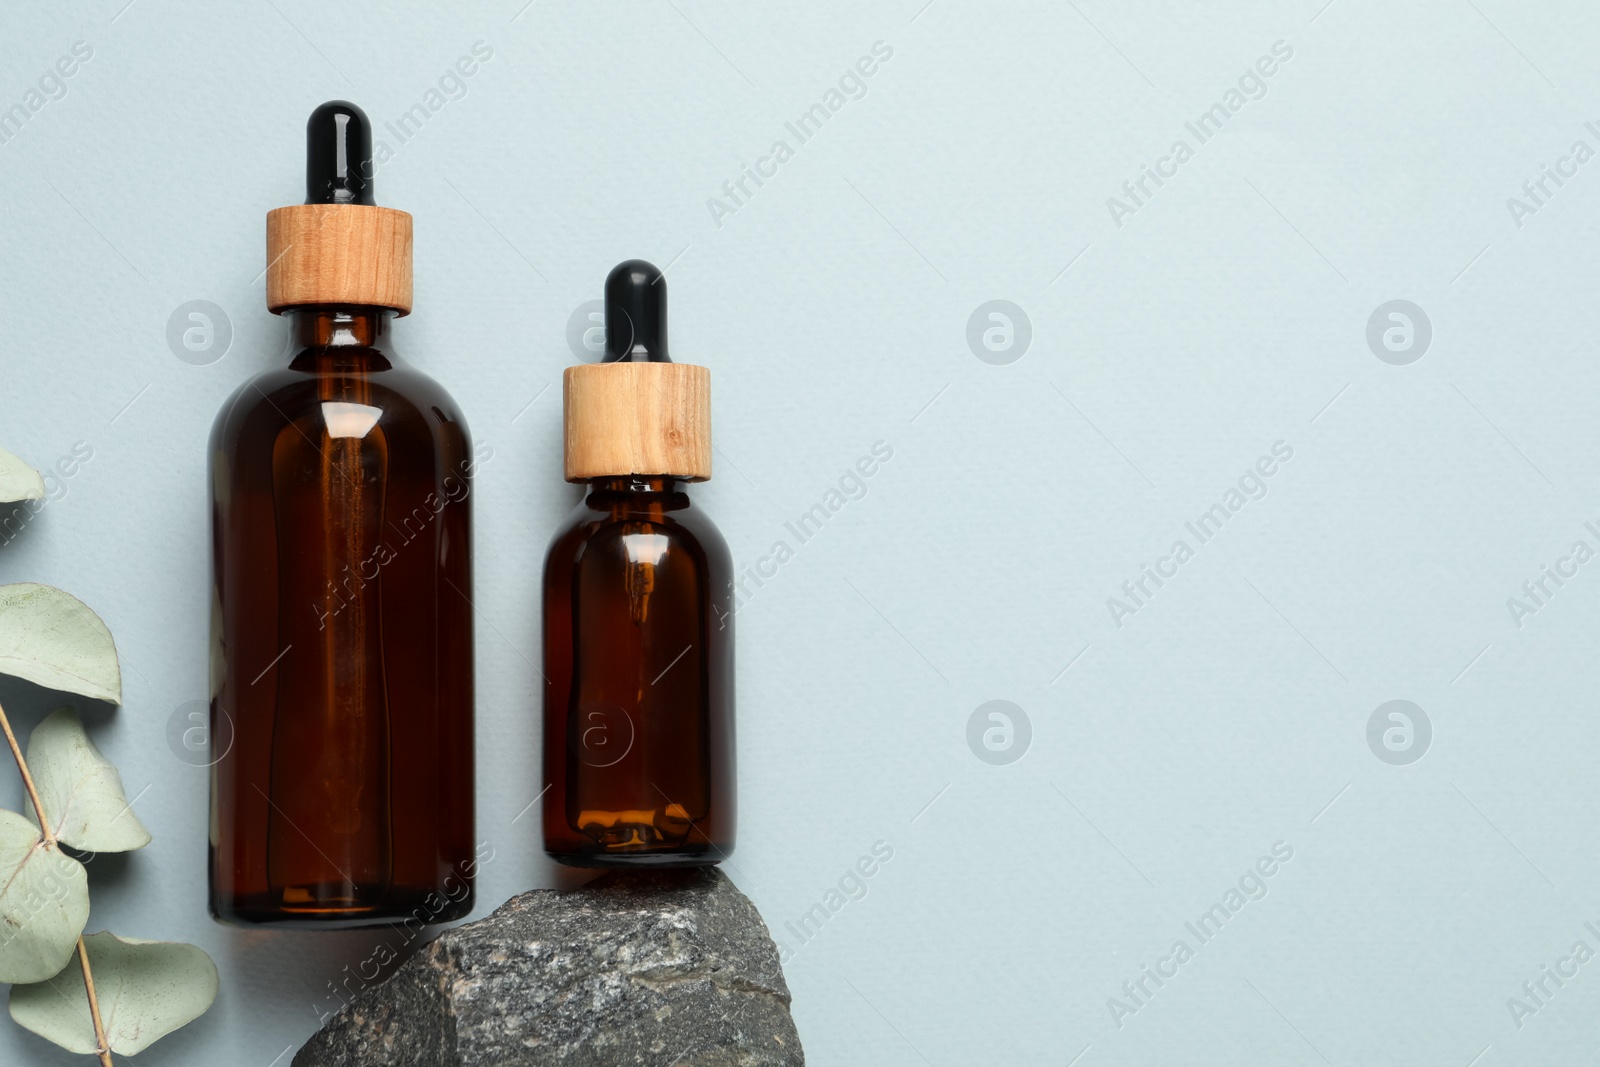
{"x": 1228, "y": 312}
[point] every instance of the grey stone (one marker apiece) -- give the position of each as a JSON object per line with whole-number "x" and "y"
{"x": 648, "y": 970}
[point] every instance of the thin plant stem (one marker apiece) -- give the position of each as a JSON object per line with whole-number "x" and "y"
{"x": 102, "y": 1046}
{"x": 27, "y": 781}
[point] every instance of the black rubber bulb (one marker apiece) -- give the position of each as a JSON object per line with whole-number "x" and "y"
{"x": 636, "y": 314}
{"x": 338, "y": 155}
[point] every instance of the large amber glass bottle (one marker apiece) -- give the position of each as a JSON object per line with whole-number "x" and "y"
{"x": 342, "y": 634}
{"x": 638, "y": 623}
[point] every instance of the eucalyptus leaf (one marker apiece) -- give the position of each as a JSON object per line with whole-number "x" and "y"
{"x": 44, "y": 902}
{"x": 146, "y": 990}
{"x": 81, "y": 790}
{"x": 18, "y": 481}
{"x": 51, "y": 638}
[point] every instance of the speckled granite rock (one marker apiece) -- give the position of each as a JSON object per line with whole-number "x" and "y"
{"x": 645, "y": 970}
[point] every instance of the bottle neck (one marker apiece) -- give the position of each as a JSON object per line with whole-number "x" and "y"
{"x": 635, "y": 484}
{"x": 636, "y": 496}
{"x": 343, "y": 333}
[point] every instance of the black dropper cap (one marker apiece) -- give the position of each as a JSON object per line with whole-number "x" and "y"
{"x": 636, "y": 314}
{"x": 338, "y": 155}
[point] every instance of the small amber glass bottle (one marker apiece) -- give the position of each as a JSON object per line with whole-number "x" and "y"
{"x": 342, "y": 789}
{"x": 638, "y": 623}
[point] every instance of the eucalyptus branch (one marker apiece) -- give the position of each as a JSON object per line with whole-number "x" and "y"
{"x": 103, "y": 1049}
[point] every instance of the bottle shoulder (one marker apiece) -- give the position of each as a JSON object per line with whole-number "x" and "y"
{"x": 683, "y": 528}
{"x": 395, "y": 397}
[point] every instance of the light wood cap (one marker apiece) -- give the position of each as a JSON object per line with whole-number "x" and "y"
{"x": 338, "y": 254}
{"x": 638, "y": 418}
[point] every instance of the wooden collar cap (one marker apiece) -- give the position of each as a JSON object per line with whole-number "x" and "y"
{"x": 637, "y": 418}
{"x": 338, "y": 254}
